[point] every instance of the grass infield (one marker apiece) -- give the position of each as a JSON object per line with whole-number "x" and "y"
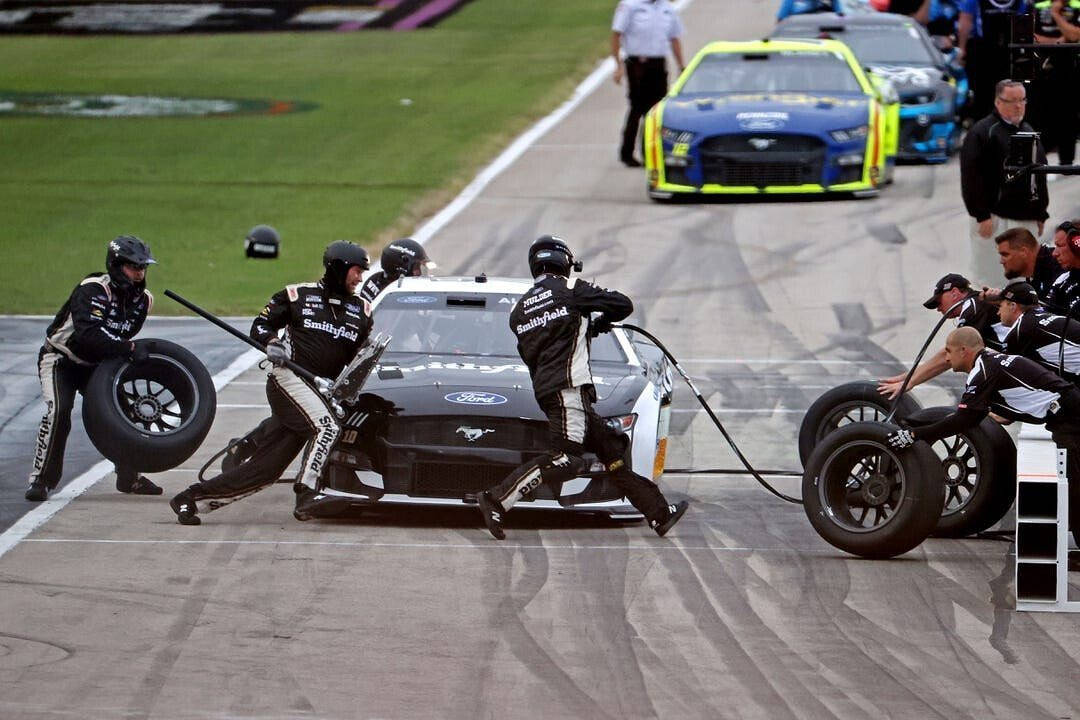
{"x": 363, "y": 166}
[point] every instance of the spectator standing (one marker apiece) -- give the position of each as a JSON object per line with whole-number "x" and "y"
{"x": 643, "y": 29}
{"x": 1055, "y": 93}
{"x": 984, "y": 30}
{"x": 995, "y": 204}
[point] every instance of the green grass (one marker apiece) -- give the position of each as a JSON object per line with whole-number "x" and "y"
{"x": 362, "y": 166}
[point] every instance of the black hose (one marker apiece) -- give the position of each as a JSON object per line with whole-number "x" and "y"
{"x": 712, "y": 416}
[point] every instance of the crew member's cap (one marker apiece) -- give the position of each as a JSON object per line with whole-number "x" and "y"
{"x": 944, "y": 285}
{"x": 1020, "y": 293}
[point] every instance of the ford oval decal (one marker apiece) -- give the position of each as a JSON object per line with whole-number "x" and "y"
{"x": 418, "y": 300}
{"x": 474, "y": 397}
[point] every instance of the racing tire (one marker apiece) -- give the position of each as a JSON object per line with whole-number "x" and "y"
{"x": 868, "y": 499}
{"x": 979, "y": 471}
{"x": 151, "y": 415}
{"x": 845, "y": 404}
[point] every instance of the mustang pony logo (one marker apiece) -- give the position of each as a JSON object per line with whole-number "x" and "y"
{"x": 473, "y": 434}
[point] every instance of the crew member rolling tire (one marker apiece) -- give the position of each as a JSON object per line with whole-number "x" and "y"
{"x": 851, "y": 402}
{"x": 868, "y": 499}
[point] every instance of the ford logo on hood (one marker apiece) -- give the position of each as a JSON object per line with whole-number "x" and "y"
{"x": 762, "y": 120}
{"x": 473, "y": 397}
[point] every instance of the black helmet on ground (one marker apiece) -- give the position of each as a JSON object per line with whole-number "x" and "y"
{"x": 262, "y": 241}
{"x": 127, "y": 250}
{"x": 339, "y": 256}
{"x": 550, "y": 254}
{"x": 404, "y": 258}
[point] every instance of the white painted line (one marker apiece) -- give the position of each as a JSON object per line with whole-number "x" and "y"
{"x": 45, "y": 510}
{"x": 741, "y": 411}
{"x": 781, "y": 361}
{"x": 235, "y": 406}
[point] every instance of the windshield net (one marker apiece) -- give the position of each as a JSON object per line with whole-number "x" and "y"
{"x": 461, "y": 324}
{"x": 772, "y": 72}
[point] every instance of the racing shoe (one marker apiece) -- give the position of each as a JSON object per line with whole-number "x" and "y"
{"x": 184, "y": 507}
{"x": 674, "y": 512}
{"x": 307, "y": 500}
{"x": 37, "y": 492}
{"x": 492, "y": 512}
{"x": 141, "y": 485}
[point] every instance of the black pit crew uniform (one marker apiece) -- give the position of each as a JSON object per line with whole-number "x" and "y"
{"x": 323, "y": 331}
{"x": 1056, "y": 99}
{"x": 1047, "y": 270}
{"x": 982, "y": 316}
{"x": 1017, "y": 388}
{"x": 375, "y": 284}
{"x": 551, "y": 322}
{"x": 96, "y": 323}
{"x": 1064, "y": 294}
{"x": 1037, "y": 335}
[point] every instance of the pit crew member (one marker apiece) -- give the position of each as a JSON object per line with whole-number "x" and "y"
{"x": 1012, "y": 387}
{"x": 324, "y": 326}
{"x": 1064, "y": 295}
{"x": 551, "y": 322}
{"x": 1022, "y": 257}
{"x": 974, "y": 313}
{"x": 97, "y": 322}
{"x": 1037, "y": 335}
{"x": 401, "y": 258}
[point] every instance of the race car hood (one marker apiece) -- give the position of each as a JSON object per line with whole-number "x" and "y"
{"x": 464, "y": 385}
{"x": 768, "y": 112}
{"x": 910, "y": 79}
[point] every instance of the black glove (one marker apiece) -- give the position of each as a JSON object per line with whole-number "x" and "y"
{"x": 276, "y": 353}
{"x": 900, "y": 439}
{"x": 599, "y": 327}
{"x": 139, "y": 353}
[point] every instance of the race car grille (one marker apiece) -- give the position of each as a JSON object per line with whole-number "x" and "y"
{"x": 759, "y": 161}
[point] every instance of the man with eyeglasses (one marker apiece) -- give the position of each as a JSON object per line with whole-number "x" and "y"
{"x": 994, "y": 203}
{"x": 103, "y": 313}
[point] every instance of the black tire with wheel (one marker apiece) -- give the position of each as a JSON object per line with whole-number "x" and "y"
{"x": 151, "y": 415}
{"x": 851, "y": 402}
{"x": 868, "y": 499}
{"x": 979, "y": 471}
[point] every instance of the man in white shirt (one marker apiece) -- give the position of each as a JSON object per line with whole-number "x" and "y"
{"x": 643, "y": 29}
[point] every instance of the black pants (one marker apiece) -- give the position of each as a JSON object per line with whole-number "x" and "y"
{"x": 301, "y": 419}
{"x": 60, "y": 379}
{"x": 1055, "y": 101}
{"x": 646, "y": 82}
{"x": 1067, "y": 437}
{"x": 573, "y": 428}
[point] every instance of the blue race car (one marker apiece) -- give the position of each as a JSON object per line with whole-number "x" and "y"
{"x": 770, "y": 117}
{"x": 898, "y": 49}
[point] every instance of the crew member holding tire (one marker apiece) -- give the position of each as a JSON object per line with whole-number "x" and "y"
{"x": 1050, "y": 340}
{"x": 551, "y": 322}
{"x": 401, "y": 258}
{"x": 974, "y": 313}
{"x": 97, "y": 322}
{"x": 1013, "y": 387}
{"x": 324, "y": 326}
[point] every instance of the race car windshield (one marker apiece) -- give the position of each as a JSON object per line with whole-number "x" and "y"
{"x": 460, "y": 324}
{"x": 772, "y": 72}
{"x": 885, "y": 44}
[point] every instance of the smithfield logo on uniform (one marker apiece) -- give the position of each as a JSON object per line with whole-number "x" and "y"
{"x": 762, "y": 120}
{"x": 473, "y": 397}
{"x": 338, "y": 331}
{"x": 543, "y": 320}
{"x": 121, "y": 106}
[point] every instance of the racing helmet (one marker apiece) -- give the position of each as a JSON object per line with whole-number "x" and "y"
{"x": 339, "y": 256}
{"x": 262, "y": 241}
{"x": 404, "y": 258}
{"x": 551, "y": 254}
{"x": 126, "y": 250}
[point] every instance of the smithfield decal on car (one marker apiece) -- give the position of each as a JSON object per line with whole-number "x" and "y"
{"x": 475, "y": 397}
{"x": 123, "y": 106}
{"x": 762, "y": 120}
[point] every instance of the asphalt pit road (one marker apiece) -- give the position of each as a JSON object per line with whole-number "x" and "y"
{"x": 19, "y": 652}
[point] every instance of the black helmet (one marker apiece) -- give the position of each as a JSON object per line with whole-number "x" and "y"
{"x": 551, "y": 254}
{"x": 129, "y": 250}
{"x": 262, "y": 241}
{"x": 339, "y": 256}
{"x": 404, "y": 258}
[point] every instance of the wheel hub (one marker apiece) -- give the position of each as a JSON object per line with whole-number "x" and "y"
{"x": 954, "y": 471}
{"x": 147, "y": 408}
{"x": 876, "y": 489}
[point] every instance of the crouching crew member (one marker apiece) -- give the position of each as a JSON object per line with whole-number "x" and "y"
{"x": 551, "y": 322}
{"x": 97, "y": 322}
{"x": 401, "y": 258}
{"x": 1012, "y": 387}
{"x": 974, "y": 313}
{"x": 324, "y": 326}
{"x": 1051, "y": 340}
